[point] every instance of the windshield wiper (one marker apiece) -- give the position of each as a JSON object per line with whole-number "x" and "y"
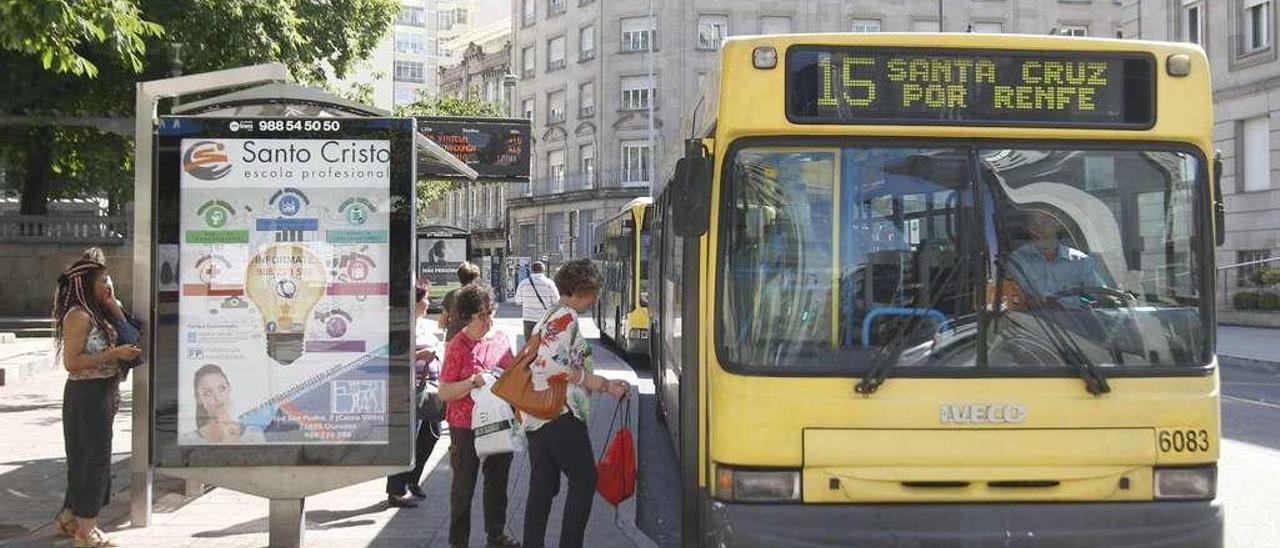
{"x": 1094, "y": 380}
{"x": 886, "y": 357}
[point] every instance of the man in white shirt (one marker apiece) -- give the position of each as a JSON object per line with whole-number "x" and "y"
{"x": 535, "y": 295}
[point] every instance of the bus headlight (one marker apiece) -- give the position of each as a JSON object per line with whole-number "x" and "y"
{"x": 758, "y": 485}
{"x": 1186, "y": 483}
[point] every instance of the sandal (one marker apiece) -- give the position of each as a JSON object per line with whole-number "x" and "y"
{"x": 65, "y": 523}
{"x": 96, "y": 539}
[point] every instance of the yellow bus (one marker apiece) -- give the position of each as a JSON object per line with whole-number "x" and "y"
{"x": 943, "y": 290}
{"x": 622, "y": 251}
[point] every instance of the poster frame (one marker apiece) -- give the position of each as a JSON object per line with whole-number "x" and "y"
{"x": 166, "y": 230}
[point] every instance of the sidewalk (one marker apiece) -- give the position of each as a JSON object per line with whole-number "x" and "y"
{"x": 1255, "y": 348}
{"x": 352, "y": 516}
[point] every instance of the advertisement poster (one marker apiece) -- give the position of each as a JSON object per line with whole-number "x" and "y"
{"x": 438, "y": 260}
{"x": 284, "y": 275}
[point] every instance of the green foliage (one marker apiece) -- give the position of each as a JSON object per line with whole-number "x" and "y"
{"x": 57, "y": 32}
{"x": 101, "y": 48}
{"x": 429, "y": 190}
{"x": 1265, "y": 276}
{"x": 426, "y": 105}
{"x": 1256, "y": 300}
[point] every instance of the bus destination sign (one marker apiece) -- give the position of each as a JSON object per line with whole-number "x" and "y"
{"x": 867, "y": 85}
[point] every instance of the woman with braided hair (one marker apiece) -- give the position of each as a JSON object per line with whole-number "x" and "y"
{"x": 87, "y": 341}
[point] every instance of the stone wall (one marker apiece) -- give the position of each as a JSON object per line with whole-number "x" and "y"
{"x": 31, "y": 274}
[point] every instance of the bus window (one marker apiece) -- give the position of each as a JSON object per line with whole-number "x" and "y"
{"x": 1100, "y": 244}
{"x": 807, "y": 292}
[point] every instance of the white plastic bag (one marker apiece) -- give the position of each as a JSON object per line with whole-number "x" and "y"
{"x": 494, "y": 423}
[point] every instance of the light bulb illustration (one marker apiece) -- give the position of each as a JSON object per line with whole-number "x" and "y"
{"x": 285, "y": 281}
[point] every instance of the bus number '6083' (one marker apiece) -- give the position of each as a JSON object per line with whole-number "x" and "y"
{"x": 1184, "y": 441}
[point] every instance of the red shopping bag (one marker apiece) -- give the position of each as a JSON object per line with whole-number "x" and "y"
{"x": 616, "y": 471}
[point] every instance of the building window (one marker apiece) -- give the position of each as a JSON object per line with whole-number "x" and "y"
{"x": 412, "y": 16}
{"x": 1074, "y": 30}
{"x": 587, "y": 43}
{"x": 528, "y": 12}
{"x": 866, "y": 25}
{"x": 1257, "y": 25}
{"x": 555, "y": 107}
{"x": 587, "y": 100}
{"x": 555, "y": 170}
{"x": 987, "y": 27}
{"x": 409, "y": 71}
{"x": 925, "y": 25}
{"x": 1192, "y": 21}
{"x": 637, "y": 92}
{"x": 775, "y": 24}
{"x": 555, "y": 7}
{"x": 635, "y": 162}
{"x": 526, "y": 108}
{"x": 1244, "y": 274}
{"x": 638, "y": 33}
{"x": 555, "y": 53}
{"x": 411, "y": 43}
{"x": 1257, "y": 154}
{"x": 527, "y": 60}
{"x": 711, "y": 30}
{"x": 587, "y": 164}
{"x": 404, "y": 96}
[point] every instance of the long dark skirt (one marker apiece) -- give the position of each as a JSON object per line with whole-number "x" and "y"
{"x": 88, "y": 410}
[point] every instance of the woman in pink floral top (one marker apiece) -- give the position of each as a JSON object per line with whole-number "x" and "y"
{"x": 563, "y": 445}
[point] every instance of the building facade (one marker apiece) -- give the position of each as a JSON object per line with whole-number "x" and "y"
{"x": 1239, "y": 38}
{"x": 606, "y": 84}
{"x": 405, "y": 63}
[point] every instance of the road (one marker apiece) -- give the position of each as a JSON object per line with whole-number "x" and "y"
{"x": 1248, "y": 482}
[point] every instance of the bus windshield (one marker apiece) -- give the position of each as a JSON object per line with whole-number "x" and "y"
{"x": 978, "y": 257}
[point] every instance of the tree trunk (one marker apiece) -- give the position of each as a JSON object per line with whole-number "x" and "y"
{"x": 37, "y": 173}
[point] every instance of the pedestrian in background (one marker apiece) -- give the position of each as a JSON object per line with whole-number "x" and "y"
{"x": 563, "y": 445}
{"x": 535, "y": 295}
{"x": 473, "y": 307}
{"x": 90, "y": 352}
{"x": 450, "y": 321}
{"x": 424, "y": 357}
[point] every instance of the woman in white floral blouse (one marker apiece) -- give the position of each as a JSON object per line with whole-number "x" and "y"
{"x": 563, "y": 445}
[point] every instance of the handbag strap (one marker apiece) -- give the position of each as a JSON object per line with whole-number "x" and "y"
{"x": 626, "y": 423}
{"x": 533, "y": 284}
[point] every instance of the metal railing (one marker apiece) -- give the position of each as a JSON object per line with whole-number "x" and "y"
{"x": 1223, "y": 275}
{"x": 54, "y": 229}
{"x": 617, "y": 178}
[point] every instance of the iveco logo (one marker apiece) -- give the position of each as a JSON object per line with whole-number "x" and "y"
{"x": 968, "y": 413}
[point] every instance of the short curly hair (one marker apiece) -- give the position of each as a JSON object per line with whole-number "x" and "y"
{"x": 472, "y": 299}
{"x": 578, "y": 276}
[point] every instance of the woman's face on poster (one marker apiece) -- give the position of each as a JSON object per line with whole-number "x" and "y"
{"x": 213, "y": 391}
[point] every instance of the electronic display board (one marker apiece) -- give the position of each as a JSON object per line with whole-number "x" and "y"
{"x": 497, "y": 148}
{"x": 293, "y": 291}
{"x": 878, "y": 85}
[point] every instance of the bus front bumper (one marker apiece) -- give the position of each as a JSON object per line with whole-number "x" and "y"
{"x": 1197, "y": 524}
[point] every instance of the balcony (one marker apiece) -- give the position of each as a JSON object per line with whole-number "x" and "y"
{"x": 556, "y": 7}
{"x": 555, "y": 64}
{"x": 555, "y": 116}
{"x": 527, "y": 73}
{"x": 546, "y": 186}
{"x": 587, "y": 111}
{"x": 586, "y": 55}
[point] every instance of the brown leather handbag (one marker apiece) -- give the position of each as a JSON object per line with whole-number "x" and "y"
{"x": 515, "y": 386}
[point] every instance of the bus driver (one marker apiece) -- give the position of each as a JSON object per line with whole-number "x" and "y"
{"x": 1046, "y": 265}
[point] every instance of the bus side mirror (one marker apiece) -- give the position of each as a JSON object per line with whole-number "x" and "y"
{"x": 1218, "y": 202}
{"x": 692, "y": 186}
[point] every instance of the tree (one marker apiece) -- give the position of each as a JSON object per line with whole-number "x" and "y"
{"x": 316, "y": 40}
{"x": 57, "y": 32}
{"x": 430, "y": 190}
